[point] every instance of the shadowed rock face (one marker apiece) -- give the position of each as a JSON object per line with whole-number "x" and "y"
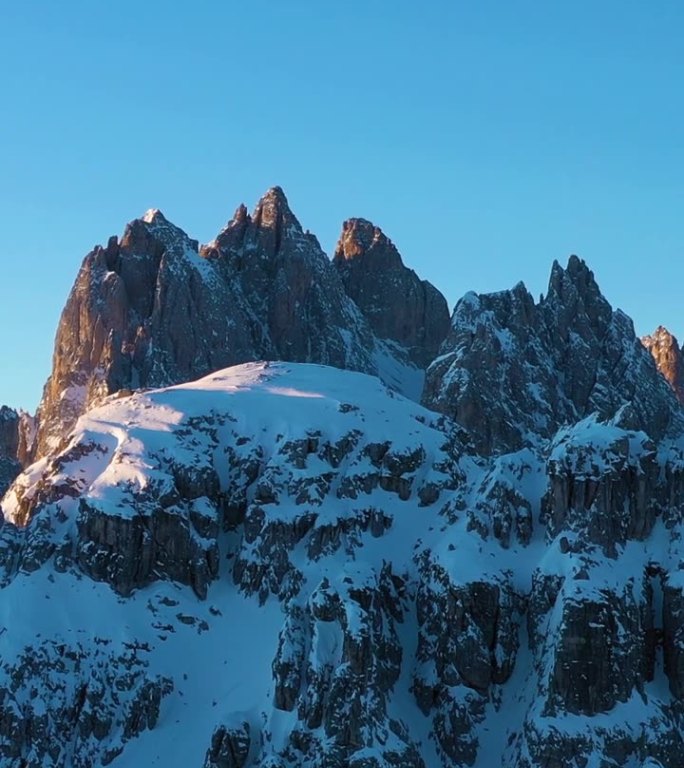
{"x": 303, "y": 312}
{"x": 9, "y": 446}
{"x": 396, "y": 302}
{"x": 668, "y": 358}
{"x": 152, "y": 309}
{"x": 511, "y": 369}
{"x": 145, "y": 311}
{"x": 17, "y": 431}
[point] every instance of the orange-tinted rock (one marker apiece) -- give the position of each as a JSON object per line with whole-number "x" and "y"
{"x": 397, "y": 304}
{"x": 668, "y": 358}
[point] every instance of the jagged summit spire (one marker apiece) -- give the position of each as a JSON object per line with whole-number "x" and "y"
{"x": 573, "y": 294}
{"x": 276, "y": 195}
{"x": 154, "y": 216}
{"x": 271, "y": 221}
{"x": 274, "y": 212}
{"x": 668, "y": 357}
{"x": 661, "y": 335}
{"x": 577, "y": 273}
{"x": 241, "y": 214}
{"x": 361, "y": 238}
{"x": 397, "y": 304}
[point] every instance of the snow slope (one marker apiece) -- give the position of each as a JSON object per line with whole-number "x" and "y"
{"x": 302, "y": 550}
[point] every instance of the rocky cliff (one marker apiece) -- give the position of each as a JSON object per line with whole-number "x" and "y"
{"x": 396, "y": 302}
{"x": 512, "y": 370}
{"x": 17, "y": 435}
{"x": 9, "y": 447}
{"x": 152, "y": 309}
{"x": 668, "y": 357}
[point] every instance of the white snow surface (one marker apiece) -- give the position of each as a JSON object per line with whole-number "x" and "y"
{"x": 221, "y": 663}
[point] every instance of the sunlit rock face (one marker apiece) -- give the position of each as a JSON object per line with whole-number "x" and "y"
{"x": 153, "y": 308}
{"x": 668, "y": 358}
{"x": 396, "y": 302}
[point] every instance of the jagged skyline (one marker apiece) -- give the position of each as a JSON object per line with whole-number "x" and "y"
{"x": 23, "y": 382}
{"x": 485, "y": 144}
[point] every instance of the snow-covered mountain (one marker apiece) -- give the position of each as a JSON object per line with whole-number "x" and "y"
{"x": 293, "y": 565}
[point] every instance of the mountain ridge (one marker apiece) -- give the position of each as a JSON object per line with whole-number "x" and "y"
{"x": 300, "y": 566}
{"x": 154, "y": 308}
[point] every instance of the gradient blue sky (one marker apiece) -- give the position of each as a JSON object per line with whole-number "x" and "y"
{"x": 485, "y": 138}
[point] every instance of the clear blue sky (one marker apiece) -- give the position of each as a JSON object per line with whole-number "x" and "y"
{"x": 485, "y": 138}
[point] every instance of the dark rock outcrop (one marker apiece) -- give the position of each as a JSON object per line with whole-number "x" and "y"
{"x": 511, "y": 370}
{"x": 338, "y": 659}
{"x": 9, "y": 447}
{"x": 99, "y": 698}
{"x": 396, "y": 302}
{"x": 467, "y": 643}
{"x": 229, "y": 747}
{"x": 153, "y": 309}
{"x": 17, "y": 434}
{"x": 600, "y": 653}
{"x": 603, "y": 483}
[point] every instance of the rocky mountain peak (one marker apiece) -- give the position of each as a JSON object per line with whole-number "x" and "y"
{"x": 153, "y": 215}
{"x": 241, "y": 214}
{"x": 512, "y": 371}
{"x": 267, "y": 231}
{"x": 361, "y": 239}
{"x": 152, "y": 309}
{"x": 397, "y": 304}
{"x": 668, "y": 357}
{"x": 575, "y": 300}
{"x": 273, "y": 212}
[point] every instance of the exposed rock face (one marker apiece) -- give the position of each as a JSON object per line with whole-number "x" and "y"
{"x": 295, "y": 293}
{"x": 604, "y": 482}
{"x": 338, "y": 659}
{"x": 467, "y": 643}
{"x": 229, "y": 747}
{"x": 602, "y": 639}
{"x": 17, "y": 433}
{"x": 99, "y": 698}
{"x": 145, "y": 311}
{"x": 9, "y": 447}
{"x": 151, "y": 310}
{"x": 512, "y": 370}
{"x": 668, "y": 357}
{"x": 396, "y": 302}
